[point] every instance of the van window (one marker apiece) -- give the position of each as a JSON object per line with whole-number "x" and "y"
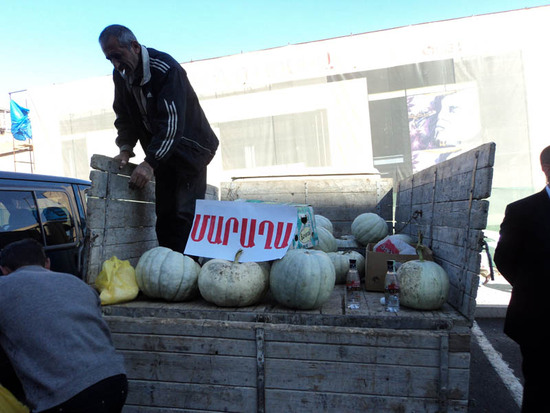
{"x": 55, "y": 213}
{"x": 18, "y": 217}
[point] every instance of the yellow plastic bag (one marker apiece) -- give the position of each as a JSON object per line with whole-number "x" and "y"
{"x": 9, "y": 404}
{"x": 116, "y": 282}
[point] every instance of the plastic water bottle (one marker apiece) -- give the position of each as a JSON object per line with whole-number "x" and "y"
{"x": 391, "y": 288}
{"x": 353, "y": 286}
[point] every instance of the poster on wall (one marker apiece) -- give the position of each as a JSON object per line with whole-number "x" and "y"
{"x": 442, "y": 125}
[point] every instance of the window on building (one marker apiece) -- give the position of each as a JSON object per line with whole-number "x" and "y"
{"x": 293, "y": 139}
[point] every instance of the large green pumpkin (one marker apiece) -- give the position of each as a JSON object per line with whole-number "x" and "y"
{"x": 340, "y": 260}
{"x": 324, "y": 222}
{"x": 369, "y": 227}
{"x": 327, "y": 242}
{"x": 232, "y": 283}
{"x": 302, "y": 279}
{"x": 170, "y": 275}
{"x": 424, "y": 285}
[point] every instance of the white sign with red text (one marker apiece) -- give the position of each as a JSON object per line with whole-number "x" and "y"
{"x": 221, "y": 228}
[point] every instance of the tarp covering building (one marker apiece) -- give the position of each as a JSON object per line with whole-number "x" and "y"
{"x": 20, "y": 122}
{"x": 390, "y": 102}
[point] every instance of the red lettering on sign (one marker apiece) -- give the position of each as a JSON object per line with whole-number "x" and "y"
{"x": 280, "y": 226}
{"x": 218, "y": 239}
{"x": 194, "y": 236}
{"x": 228, "y": 228}
{"x": 251, "y": 233}
{"x": 270, "y": 229}
{"x": 247, "y": 228}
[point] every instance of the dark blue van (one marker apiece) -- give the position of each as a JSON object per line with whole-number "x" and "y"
{"x": 49, "y": 209}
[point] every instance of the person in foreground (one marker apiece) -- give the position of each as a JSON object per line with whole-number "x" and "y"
{"x": 522, "y": 256}
{"x": 156, "y": 105}
{"x": 54, "y": 336}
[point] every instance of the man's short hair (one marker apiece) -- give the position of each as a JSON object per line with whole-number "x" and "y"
{"x": 21, "y": 253}
{"x": 545, "y": 156}
{"x": 123, "y": 34}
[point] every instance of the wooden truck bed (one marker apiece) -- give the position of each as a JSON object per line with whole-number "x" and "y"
{"x": 191, "y": 357}
{"x": 196, "y": 356}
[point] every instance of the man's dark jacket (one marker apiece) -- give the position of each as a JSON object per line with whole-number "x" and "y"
{"x": 523, "y": 257}
{"x": 171, "y": 125}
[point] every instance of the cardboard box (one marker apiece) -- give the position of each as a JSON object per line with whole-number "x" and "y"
{"x": 376, "y": 266}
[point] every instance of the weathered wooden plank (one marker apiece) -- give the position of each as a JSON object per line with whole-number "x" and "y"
{"x": 128, "y": 213}
{"x": 98, "y": 188}
{"x": 379, "y": 355}
{"x": 339, "y": 199}
{"x": 285, "y": 350}
{"x": 370, "y": 328}
{"x": 386, "y": 380}
{"x": 445, "y": 202}
{"x": 108, "y": 164}
{"x": 178, "y": 326}
{"x": 176, "y": 368}
{"x": 448, "y": 214}
{"x": 114, "y": 236}
{"x": 146, "y": 409}
{"x": 95, "y": 213}
{"x": 343, "y": 200}
{"x": 344, "y": 215}
{"x": 107, "y": 168}
{"x": 297, "y": 402}
{"x": 453, "y": 188}
{"x": 146, "y": 392}
{"x": 456, "y": 235}
{"x": 304, "y": 186}
{"x": 185, "y": 344}
{"x": 470, "y": 259}
{"x": 460, "y": 187}
{"x": 118, "y": 188}
{"x": 129, "y": 251}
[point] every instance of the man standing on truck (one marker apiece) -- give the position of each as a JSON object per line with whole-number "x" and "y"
{"x": 156, "y": 105}
{"x": 522, "y": 256}
{"x": 55, "y": 338}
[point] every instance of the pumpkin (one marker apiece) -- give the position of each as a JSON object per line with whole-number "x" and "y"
{"x": 369, "y": 227}
{"x": 170, "y": 275}
{"x": 424, "y": 284}
{"x": 327, "y": 242}
{"x": 340, "y": 260}
{"x": 323, "y": 222}
{"x": 232, "y": 283}
{"x": 347, "y": 241}
{"x": 303, "y": 279}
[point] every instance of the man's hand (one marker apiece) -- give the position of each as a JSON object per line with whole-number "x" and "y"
{"x": 141, "y": 176}
{"x": 122, "y": 158}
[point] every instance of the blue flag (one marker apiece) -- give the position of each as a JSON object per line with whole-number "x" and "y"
{"x": 20, "y": 122}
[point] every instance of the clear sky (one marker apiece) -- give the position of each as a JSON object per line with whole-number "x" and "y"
{"x": 49, "y": 42}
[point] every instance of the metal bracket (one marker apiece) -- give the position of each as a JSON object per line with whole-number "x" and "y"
{"x": 260, "y": 370}
{"x": 443, "y": 372}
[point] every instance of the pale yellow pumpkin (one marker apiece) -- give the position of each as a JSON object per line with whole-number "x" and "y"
{"x": 232, "y": 283}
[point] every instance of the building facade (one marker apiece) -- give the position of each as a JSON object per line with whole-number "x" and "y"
{"x": 389, "y": 102}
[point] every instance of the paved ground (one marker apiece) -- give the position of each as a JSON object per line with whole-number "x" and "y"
{"x": 495, "y": 368}
{"x": 493, "y": 298}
